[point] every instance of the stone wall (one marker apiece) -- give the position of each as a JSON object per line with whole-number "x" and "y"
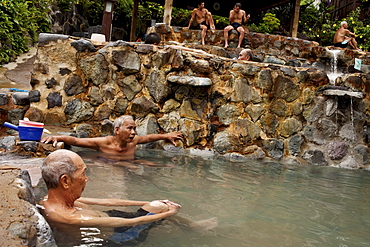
{"x": 241, "y": 110}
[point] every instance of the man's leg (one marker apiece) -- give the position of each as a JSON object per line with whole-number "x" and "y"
{"x": 204, "y": 32}
{"x": 226, "y": 35}
{"x": 353, "y": 43}
{"x": 241, "y": 35}
{"x": 210, "y": 21}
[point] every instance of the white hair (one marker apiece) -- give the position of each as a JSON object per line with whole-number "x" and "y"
{"x": 119, "y": 121}
{"x": 343, "y": 22}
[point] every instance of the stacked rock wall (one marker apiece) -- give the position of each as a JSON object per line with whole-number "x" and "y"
{"x": 243, "y": 110}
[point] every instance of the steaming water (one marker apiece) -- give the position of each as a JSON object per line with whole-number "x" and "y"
{"x": 257, "y": 204}
{"x": 333, "y": 74}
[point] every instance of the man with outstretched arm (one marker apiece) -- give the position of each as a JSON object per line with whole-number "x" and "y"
{"x": 237, "y": 17}
{"x": 122, "y": 143}
{"x": 203, "y": 18}
{"x": 64, "y": 173}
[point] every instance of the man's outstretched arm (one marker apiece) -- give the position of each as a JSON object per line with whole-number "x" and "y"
{"x": 172, "y": 137}
{"x": 70, "y": 140}
{"x": 110, "y": 202}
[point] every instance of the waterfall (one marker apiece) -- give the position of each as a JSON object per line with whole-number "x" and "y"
{"x": 333, "y": 73}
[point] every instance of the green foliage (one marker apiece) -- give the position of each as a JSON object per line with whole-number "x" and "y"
{"x": 20, "y": 23}
{"x": 269, "y": 24}
{"x": 316, "y": 24}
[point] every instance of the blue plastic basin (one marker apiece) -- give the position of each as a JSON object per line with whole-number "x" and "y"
{"x": 26, "y": 133}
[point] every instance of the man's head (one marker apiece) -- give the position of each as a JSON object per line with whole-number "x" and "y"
{"x": 344, "y": 24}
{"x": 124, "y": 128}
{"x": 200, "y": 5}
{"x": 153, "y": 38}
{"x": 66, "y": 169}
{"x": 245, "y": 54}
{"x": 237, "y": 7}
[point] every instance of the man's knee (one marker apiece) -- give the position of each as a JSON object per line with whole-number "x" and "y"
{"x": 155, "y": 207}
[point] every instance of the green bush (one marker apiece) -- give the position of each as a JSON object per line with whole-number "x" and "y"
{"x": 269, "y": 24}
{"x": 20, "y": 23}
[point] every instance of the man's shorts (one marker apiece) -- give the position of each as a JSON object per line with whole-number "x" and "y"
{"x": 236, "y": 25}
{"x": 124, "y": 234}
{"x": 200, "y": 24}
{"x": 343, "y": 44}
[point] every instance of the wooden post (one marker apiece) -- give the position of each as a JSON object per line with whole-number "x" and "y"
{"x": 167, "y": 12}
{"x": 294, "y": 24}
{"x": 134, "y": 20}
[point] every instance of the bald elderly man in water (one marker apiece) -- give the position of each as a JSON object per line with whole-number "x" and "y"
{"x": 64, "y": 173}
{"x": 122, "y": 143}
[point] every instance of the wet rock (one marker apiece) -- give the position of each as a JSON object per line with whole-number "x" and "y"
{"x": 84, "y": 130}
{"x": 170, "y": 105}
{"x": 289, "y": 127}
{"x": 327, "y": 127}
{"x": 3, "y": 99}
{"x": 20, "y": 98}
{"x": 286, "y": 89}
{"x": 187, "y": 111}
{"x": 269, "y": 123}
{"x": 307, "y": 96}
{"x": 255, "y": 111}
{"x": 50, "y": 83}
{"x": 254, "y": 153}
{"x": 78, "y": 110}
{"x": 34, "y": 114}
{"x": 225, "y": 142}
{"x": 54, "y": 99}
{"x": 95, "y": 68}
{"x": 274, "y": 60}
{"x": 313, "y": 135}
{"x": 302, "y": 76}
{"x": 82, "y": 45}
{"x": 200, "y": 66}
{"x": 29, "y": 146}
{"x": 348, "y": 132}
{"x": 170, "y": 122}
{"x": 161, "y": 58}
{"x": 191, "y": 129}
{"x": 46, "y": 38}
{"x": 288, "y": 72}
{"x": 157, "y": 85}
{"x": 34, "y": 96}
{"x": 274, "y": 148}
{"x": 331, "y": 107}
{"x": 337, "y": 150}
{"x": 246, "y": 69}
{"x": 94, "y": 96}
{"x": 235, "y": 157}
{"x": 74, "y": 86}
{"x": 245, "y": 130}
{"x": 264, "y": 80}
{"x": 120, "y": 106}
{"x": 204, "y": 153}
{"x": 363, "y": 150}
{"x": 106, "y": 128}
{"x": 315, "y": 157}
{"x": 190, "y": 80}
{"x": 142, "y": 106}
{"x": 294, "y": 145}
{"x": 244, "y": 92}
{"x": 128, "y": 61}
{"x": 15, "y": 115}
{"x": 350, "y": 163}
{"x": 278, "y": 107}
{"x": 8, "y": 143}
{"x": 227, "y": 114}
{"x": 146, "y": 126}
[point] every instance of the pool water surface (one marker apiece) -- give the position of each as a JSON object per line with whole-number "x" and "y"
{"x": 256, "y": 203}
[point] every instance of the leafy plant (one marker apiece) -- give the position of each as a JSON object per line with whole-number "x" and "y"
{"x": 269, "y": 24}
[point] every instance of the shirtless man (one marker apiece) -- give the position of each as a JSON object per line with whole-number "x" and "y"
{"x": 342, "y": 40}
{"x": 237, "y": 17}
{"x": 203, "y": 19}
{"x": 122, "y": 143}
{"x": 64, "y": 173}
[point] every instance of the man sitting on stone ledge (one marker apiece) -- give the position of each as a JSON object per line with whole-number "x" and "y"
{"x": 122, "y": 143}
{"x": 236, "y": 18}
{"x": 203, "y": 18}
{"x": 64, "y": 173}
{"x": 343, "y": 37}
